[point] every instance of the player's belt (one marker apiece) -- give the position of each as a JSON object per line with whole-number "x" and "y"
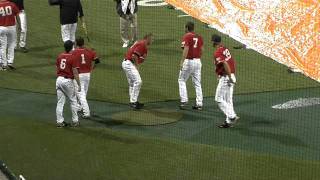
{"x": 133, "y": 62}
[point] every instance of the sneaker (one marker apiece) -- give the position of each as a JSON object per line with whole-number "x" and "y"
{"x": 24, "y": 49}
{"x": 3, "y": 68}
{"x": 85, "y": 116}
{"x": 75, "y": 124}
{"x": 183, "y": 105}
{"x": 11, "y": 67}
{"x": 61, "y": 125}
{"x": 125, "y": 45}
{"x": 225, "y": 125}
{"x": 196, "y": 107}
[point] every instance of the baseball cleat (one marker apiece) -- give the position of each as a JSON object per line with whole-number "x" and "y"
{"x": 225, "y": 125}
{"x": 85, "y": 116}
{"x": 136, "y": 105}
{"x": 24, "y": 49}
{"x": 196, "y": 107}
{"x": 11, "y": 67}
{"x": 61, "y": 125}
{"x": 183, "y": 105}
{"x": 75, "y": 124}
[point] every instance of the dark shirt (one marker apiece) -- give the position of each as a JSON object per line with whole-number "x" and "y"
{"x": 70, "y": 10}
{"x": 19, "y": 4}
{"x": 119, "y": 8}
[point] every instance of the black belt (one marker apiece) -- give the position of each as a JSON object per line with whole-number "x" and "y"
{"x": 133, "y": 62}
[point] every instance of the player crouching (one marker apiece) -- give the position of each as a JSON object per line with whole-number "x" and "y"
{"x": 67, "y": 70}
{"x": 87, "y": 59}
{"x": 225, "y": 69}
{"x": 130, "y": 65}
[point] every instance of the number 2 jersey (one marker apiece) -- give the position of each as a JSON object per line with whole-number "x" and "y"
{"x": 65, "y": 63}
{"x": 195, "y": 43}
{"x": 222, "y": 54}
{"x": 8, "y": 13}
{"x": 85, "y": 57}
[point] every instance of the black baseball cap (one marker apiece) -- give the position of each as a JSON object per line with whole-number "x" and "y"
{"x": 216, "y": 38}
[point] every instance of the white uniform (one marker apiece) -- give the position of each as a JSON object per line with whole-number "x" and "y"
{"x": 224, "y": 96}
{"x": 66, "y": 89}
{"x": 134, "y": 80}
{"x": 82, "y": 95}
{"x": 23, "y": 26}
{"x": 68, "y": 32}
{"x": 191, "y": 67}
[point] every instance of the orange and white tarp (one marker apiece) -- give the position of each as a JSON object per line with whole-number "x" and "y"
{"x": 287, "y": 31}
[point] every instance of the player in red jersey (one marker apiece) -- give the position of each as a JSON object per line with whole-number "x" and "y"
{"x": 225, "y": 70}
{"x": 192, "y": 45}
{"x": 8, "y": 34}
{"x": 87, "y": 59}
{"x": 67, "y": 71}
{"x": 135, "y": 56}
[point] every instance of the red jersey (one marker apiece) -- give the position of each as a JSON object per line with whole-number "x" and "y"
{"x": 195, "y": 43}
{"x": 221, "y": 55}
{"x": 8, "y": 13}
{"x": 140, "y": 49}
{"x": 85, "y": 57}
{"x": 65, "y": 63}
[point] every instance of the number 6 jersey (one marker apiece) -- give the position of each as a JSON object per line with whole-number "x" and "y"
{"x": 195, "y": 43}
{"x": 221, "y": 55}
{"x": 65, "y": 63}
{"x": 8, "y": 13}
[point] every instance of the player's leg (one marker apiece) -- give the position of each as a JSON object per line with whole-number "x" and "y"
{"x": 84, "y": 81}
{"x": 61, "y": 99}
{"x": 196, "y": 79}
{"x": 124, "y": 30}
{"x": 184, "y": 75}
{"x": 23, "y": 26}
{"x": 220, "y": 95}
{"x": 69, "y": 90}
{"x": 126, "y": 69}
{"x": 65, "y": 32}
{"x": 3, "y": 45}
{"x": 134, "y": 27}
{"x": 137, "y": 83}
{"x": 12, "y": 41}
{"x": 73, "y": 30}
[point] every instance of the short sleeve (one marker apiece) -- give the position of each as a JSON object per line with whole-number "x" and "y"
{"x": 15, "y": 9}
{"x": 220, "y": 58}
{"x": 140, "y": 50}
{"x": 186, "y": 41}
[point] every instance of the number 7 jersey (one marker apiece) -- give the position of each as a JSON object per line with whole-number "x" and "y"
{"x": 195, "y": 44}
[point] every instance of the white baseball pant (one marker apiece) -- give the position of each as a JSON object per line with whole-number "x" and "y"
{"x": 134, "y": 80}
{"x": 191, "y": 67}
{"x": 65, "y": 89}
{"x": 82, "y": 95}
{"x": 224, "y": 97}
{"x": 23, "y": 26}
{"x": 8, "y": 39}
{"x": 68, "y": 32}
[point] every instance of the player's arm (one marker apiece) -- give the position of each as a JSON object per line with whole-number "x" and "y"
{"x": 228, "y": 71}
{"x": 135, "y": 59}
{"x": 184, "y": 55}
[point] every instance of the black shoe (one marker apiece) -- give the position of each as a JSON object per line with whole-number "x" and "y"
{"x": 225, "y": 125}
{"x": 11, "y": 67}
{"x": 234, "y": 120}
{"x": 183, "y": 105}
{"x": 75, "y": 124}
{"x": 196, "y": 107}
{"x": 61, "y": 125}
{"x": 136, "y": 105}
{"x": 24, "y": 49}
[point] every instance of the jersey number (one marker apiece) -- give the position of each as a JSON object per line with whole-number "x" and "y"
{"x": 227, "y": 54}
{"x": 5, "y": 11}
{"x": 195, "y": 42}
{"x": 83, "y": 59}
{"x": 63, "y": 64}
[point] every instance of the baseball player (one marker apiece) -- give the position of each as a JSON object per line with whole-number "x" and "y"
{"x": 135, "y": 56}
{"x": 8, "y": 34}
{"x": 87, "y": 59}
{"x": 67, "y": 70}
{"x": 22, "y": 25}
{"x": 225, "y": 69}
{"x": 192, "y": 45}
{"x": 70, "y": 10}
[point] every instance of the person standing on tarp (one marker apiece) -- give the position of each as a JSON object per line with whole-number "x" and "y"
{"x": 127, "y": 10}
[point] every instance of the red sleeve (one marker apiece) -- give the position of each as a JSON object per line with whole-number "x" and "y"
{"x": 15, "y": 9}
{"x": 93, "y": 54}
{"x": 186, "y": 41}
{"x": 140, "y": 50}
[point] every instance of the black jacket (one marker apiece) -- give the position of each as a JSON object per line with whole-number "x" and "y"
{"x": 119, "y": 8}
{"x": 70, "y": 10}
